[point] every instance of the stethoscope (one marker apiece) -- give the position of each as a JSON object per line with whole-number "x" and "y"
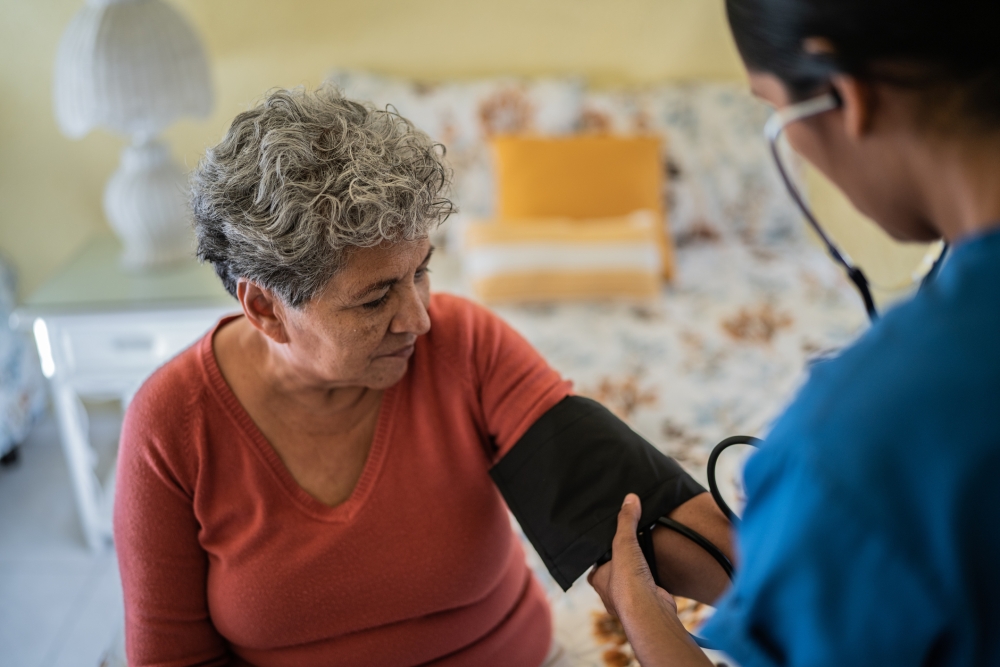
{"x": 773, "y": 130}
{"x": 925, "y": 273}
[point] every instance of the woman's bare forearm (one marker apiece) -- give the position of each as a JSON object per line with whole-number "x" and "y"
{"x": 686, "y": 569}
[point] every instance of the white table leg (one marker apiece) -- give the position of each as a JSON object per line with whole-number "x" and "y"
{"x": 81, "y": 459}
{"x": 96, "y": 355}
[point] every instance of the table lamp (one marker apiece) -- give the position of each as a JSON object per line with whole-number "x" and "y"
{"x": 135, "y": 66}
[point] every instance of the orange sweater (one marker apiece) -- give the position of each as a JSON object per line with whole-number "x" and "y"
{"x": 226, "y": 560}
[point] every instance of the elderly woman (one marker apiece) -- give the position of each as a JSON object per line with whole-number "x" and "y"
{"x": 316, "y": 481}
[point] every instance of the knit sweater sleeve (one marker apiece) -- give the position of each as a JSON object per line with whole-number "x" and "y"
{"x": 512, "y": 382}
{"x": 163, "y": 566}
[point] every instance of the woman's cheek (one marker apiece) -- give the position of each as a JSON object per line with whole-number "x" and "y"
{"x": 370, "y": 332}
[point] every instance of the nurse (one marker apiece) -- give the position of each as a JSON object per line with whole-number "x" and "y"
{"x": 871, "y": 533}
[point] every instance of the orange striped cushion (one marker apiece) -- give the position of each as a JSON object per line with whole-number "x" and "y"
{"x": 564, "y": 259}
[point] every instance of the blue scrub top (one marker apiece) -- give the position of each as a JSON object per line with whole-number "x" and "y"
{"x": 871, "y": 535}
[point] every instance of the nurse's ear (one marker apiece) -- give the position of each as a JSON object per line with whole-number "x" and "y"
{"x": 857, "y": 98}
{"x": 858, "y": 104}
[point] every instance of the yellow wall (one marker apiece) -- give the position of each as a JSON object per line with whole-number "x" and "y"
{"x": 50, "y": 187}
{"x": 888, "y": 264}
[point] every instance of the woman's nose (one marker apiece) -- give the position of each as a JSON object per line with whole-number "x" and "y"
{"x": 412, "y": 317}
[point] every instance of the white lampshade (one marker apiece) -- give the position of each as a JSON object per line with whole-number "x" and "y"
{"x": 132, "y": 66}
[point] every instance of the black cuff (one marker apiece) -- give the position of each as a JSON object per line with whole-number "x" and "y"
{"x": 566, "y": 478}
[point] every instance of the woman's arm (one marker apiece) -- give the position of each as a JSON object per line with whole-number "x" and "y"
{"x": 561, "y": 461}
{"x": 686, "y": 569}
{"x": 163, "y": 568}
{"x": 647, "y": 612}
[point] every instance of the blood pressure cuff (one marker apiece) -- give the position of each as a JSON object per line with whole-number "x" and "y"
{"x": 566, "y": 478}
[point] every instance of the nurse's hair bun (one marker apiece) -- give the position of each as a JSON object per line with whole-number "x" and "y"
{"x": 947, "y": 48}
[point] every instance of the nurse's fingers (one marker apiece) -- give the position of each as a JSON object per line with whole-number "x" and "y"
{"x": 625, "y": 578}
{"x": 625, "y": 549}
{"x": 600, "y": 579}
{"x": 630, "y": 512}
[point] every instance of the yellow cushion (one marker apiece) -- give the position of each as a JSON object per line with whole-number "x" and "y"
{"x": 581, "y": 177}
{"x": 558, "y": 259}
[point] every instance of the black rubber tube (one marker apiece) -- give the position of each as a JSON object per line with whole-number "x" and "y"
{"x": 713, "y": 551}
{"x": 703, "y": 542}
{"x": 713, "y": 460}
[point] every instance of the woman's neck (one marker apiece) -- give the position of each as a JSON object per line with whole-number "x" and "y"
{"x": 258, "y": 366}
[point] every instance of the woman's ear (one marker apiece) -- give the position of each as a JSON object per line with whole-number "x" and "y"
{"x": 857, "y": 104}
{"x": 263, "y": 310}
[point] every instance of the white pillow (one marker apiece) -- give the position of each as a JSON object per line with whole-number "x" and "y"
{"x": 556, "y": 259}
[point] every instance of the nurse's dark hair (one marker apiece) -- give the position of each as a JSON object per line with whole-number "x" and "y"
{"x": 947, "y": 48}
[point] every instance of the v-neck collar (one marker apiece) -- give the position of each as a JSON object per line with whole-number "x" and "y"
{"x": 345, "y": 511}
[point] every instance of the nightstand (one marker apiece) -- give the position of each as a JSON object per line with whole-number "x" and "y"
{"x": 101, "y": 330}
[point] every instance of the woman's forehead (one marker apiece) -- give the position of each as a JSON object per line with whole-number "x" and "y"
{"x": 369, "y": 270}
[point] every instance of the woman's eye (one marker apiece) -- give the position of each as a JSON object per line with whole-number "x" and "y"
{"x": 372, "y": 305}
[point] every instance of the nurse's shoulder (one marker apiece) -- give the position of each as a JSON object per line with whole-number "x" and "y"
{"x": 913, "y": 404}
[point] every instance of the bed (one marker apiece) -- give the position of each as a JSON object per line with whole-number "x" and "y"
{"x": 721, "y": 350}
{"x": 725, "y": 345}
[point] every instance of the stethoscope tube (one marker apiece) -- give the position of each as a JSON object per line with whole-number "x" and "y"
{"x": 774, "y": 131}
{"x": 855, "y": 274}
{"x": 713, "y": 462}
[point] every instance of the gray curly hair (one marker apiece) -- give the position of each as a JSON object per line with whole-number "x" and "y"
{"x": 303, "y": 178}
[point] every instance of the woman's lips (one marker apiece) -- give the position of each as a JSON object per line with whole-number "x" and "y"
{"x": 401, "y": 353}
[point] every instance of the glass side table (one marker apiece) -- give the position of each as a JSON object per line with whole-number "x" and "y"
{"x": 101, "y": 331}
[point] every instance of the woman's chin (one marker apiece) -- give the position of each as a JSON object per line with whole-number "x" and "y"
{"x": 387, "y": 371}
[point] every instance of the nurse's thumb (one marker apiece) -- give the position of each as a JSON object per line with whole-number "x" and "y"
{"x": 629, "y": 515}
{"x": 626, "y": 545}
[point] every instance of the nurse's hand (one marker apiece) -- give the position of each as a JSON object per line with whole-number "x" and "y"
{"x": 625, "y": 580}
{"x": 648, "y": 613}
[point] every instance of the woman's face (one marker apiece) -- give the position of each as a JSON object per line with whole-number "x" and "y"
{"x": 360, "y": 330}
{"x": 866, "y": 149}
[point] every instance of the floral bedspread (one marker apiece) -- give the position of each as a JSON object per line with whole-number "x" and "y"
{"x": 721, "y": 353}
{"x": 726, "y": 345}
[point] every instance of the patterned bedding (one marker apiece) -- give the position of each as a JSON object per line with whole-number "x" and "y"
{"x": 722, "y": 353}
{"x": 723, "y": 349}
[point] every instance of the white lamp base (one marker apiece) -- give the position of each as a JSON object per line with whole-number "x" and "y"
{"x": 146, "y": 204}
